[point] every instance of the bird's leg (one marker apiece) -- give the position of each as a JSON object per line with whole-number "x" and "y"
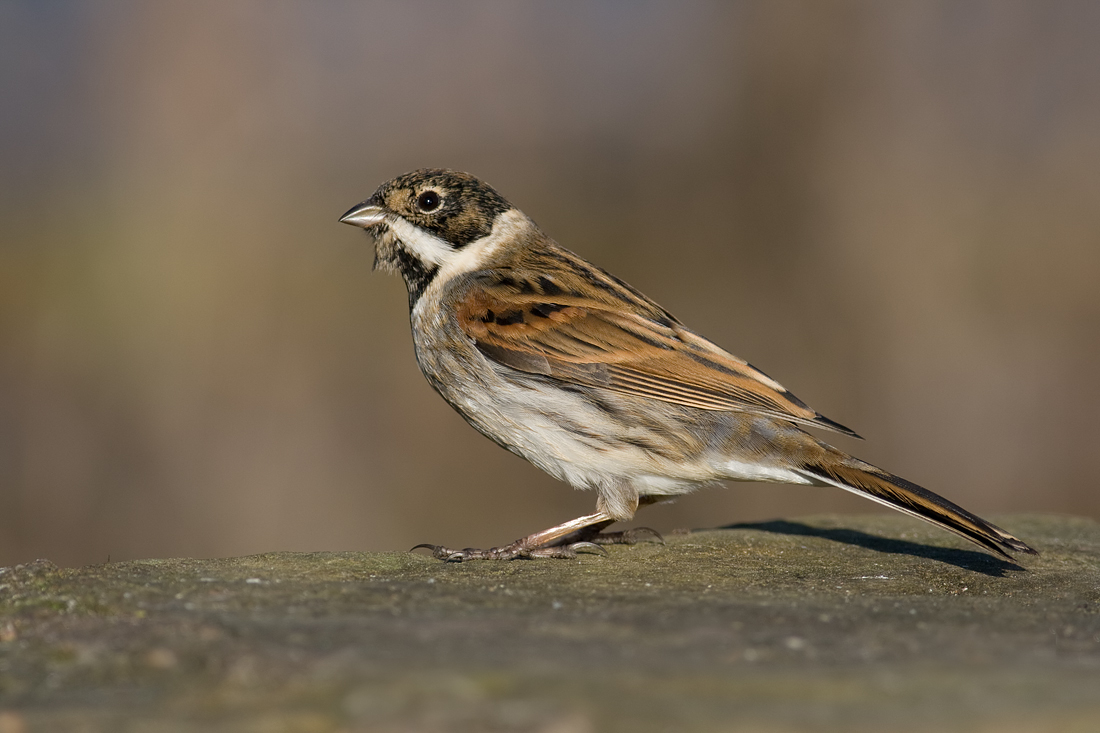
{"x": 546, "y": 543}
{"x": 631, "y": 536}
{"x": 594, "y": 533}
{"x": 583, "y": 534}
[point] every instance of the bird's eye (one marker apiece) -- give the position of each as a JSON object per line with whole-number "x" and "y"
{"x": 428, "y": 201}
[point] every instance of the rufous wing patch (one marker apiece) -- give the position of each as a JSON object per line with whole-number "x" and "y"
{"x": 629, "y": 350}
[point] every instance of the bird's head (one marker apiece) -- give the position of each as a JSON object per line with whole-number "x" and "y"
{"x": 429, "y": 220}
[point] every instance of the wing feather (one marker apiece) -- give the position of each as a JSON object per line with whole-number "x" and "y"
{"x": 618, "y": 340}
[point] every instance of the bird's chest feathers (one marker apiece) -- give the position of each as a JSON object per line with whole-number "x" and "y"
{"x": 443, "y": 351}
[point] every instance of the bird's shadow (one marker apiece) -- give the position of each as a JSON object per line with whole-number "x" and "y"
{"x": 978, "y": 562}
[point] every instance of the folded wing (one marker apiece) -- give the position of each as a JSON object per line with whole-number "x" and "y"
{"x": 616, "y": 339}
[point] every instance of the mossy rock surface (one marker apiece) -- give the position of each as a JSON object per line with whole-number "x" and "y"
{"x": 821, "y": 623}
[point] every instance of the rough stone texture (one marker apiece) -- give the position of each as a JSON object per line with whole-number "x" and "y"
{"x": 826, "y": 623}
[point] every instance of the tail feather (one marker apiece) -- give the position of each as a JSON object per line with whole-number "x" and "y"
{"x": 850, "y": 474}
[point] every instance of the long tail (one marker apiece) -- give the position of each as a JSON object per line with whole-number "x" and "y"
{"x": 834, "y": 468}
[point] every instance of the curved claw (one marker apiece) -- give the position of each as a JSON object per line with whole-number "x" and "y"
{"x": 565, "y": 552}
{"x": 638, "y": 534}
{"x": 588, "y": 547}
{"x": 439, "y": 552}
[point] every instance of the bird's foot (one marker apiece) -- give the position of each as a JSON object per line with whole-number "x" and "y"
{"x": 566, "y": 540}
{"x": 518, "y": 550}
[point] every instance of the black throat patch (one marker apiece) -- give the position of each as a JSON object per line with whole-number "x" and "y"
{"x": 416, "y": 273}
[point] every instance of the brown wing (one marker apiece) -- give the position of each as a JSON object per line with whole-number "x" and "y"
{"x": 618, "y": 340}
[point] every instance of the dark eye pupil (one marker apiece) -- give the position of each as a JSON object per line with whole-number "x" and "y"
{"x": 428, "y": 201}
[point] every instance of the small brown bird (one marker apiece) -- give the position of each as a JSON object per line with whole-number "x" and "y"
{"x": 576, "y": 371}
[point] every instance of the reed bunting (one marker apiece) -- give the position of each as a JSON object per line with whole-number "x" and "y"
{"x": 568, "y": 366}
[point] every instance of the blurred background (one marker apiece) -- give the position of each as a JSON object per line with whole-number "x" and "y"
{"x": 892, "y": 208}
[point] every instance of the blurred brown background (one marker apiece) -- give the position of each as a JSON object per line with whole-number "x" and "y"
{"x": 893, "y": 208}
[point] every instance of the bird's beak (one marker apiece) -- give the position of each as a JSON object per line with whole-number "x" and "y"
{"x": 365, "y": 215}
